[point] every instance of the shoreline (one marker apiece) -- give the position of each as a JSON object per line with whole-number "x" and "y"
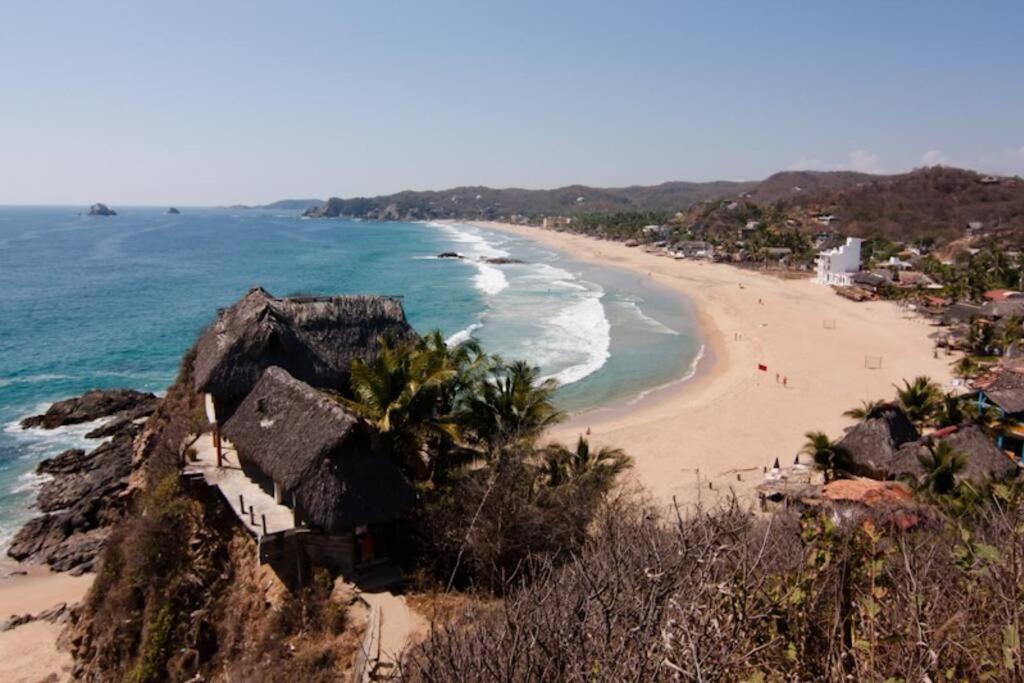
{"x": 710, "y": 436}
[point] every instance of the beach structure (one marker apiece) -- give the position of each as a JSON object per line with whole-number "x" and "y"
{"x": 983, "y": 459}
{"x": 1005, "y": 393}
{"x": 303, "y": 448}
{"x": 314, "y": 338}
{"x": 872, "y": 446}
{"x": 887, "y": 502}
{"x": 837, "y": 266}
{"x": 304, "y": 476}
{"x": 693, "y": 249}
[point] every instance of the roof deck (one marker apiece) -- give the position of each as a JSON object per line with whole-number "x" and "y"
{"x": 262, "y": 515}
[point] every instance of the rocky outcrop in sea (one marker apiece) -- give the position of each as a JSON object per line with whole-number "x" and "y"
{"x": 173, "y": 211}
{"x": 87, "y": 491}
{"x": 100, "y": 209}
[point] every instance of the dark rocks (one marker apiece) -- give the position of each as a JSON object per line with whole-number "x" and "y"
{"x": 58, "y": 614}
{"x": 449, "y": 254}
{"x": 87, "y": 492}
{"x": 93, "y": 405}
{"x": 502, "y": 261}
{"x": 15, "y": 621}
{"x": 173, "y": 211}
{"x": 99, "y": 209}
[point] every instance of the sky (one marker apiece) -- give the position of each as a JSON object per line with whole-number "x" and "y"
{"x": 212, "y": 103}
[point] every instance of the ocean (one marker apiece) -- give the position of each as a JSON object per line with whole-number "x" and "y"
{"x": 105, "y": 302}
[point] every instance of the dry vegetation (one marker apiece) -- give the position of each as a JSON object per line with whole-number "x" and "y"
{"x": 729, "y": 596}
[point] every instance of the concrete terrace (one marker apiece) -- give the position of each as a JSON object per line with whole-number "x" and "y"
{"x": 232, "y": 482}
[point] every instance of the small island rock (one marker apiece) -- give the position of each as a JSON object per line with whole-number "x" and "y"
{"x": 173, "y": 211}
{"x": 99, "y": 209}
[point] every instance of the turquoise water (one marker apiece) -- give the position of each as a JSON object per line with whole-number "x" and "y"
{"x": 103, "y": 302}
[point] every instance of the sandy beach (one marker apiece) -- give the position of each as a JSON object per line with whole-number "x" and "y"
{"x": 29, "y": 652}
{"x": 704, "y": 438}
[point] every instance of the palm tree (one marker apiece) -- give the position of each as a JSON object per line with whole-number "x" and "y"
{"x": 603, "y": 464}
{"x": 510, "y": 405}
{"x": 965, "y": 368}
{"x": 831, "y": 458}
{"x": 953, "y": 410}
{"x": 919, "y": 399}
{"x": 941, "y": 464}
{"x": 865, "y": 409}
{"x": 398, "y": 393}
{"x": 1012, "y": 332}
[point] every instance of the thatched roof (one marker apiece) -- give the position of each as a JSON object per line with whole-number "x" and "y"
{"x": 314, "y": 338}
{"x": 1007, "y": 391}
{"x": 314, "y": 448}
{"x": 982, "y": 458}
{"x": 872, "y": 444}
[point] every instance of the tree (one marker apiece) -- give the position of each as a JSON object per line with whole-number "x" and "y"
{"x": 1012, "y": 332}
{"x": 511, "y": 404}
{"x": 831, "y": 458}
{"x": 864, "y": 410}
{"x": 399, "y": 392}
{"x": 603, "y": 464}
{"x": 965, "y": 368}
{"x": 953, "y": 410}
{"x": 919, "y": 399}
{"x": 941, "y": 464}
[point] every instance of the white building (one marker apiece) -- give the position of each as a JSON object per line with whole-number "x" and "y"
{"x": 837, "y": 266}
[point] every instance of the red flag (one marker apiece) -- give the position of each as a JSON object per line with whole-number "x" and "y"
{"x": 762, "y": 367}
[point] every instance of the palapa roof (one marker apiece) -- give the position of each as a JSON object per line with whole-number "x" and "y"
{"x": 313, "y": 447}
{"x": 314, "y": 338}
{"x": 961, "y": 312}
{"x": 872, "y": 444}
{"x": 1007, "y": 391}
{"x": 983, "y": 460}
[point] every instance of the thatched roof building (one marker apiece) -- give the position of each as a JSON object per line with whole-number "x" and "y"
{"x": 872, "y": 445}
{"x": 1006, "y": 391}
{"x": 313, "y": 338}
{"x": 316, "y": 454}
{"x": 983, "y": 460}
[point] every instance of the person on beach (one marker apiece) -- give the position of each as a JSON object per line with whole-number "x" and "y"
{"x": 785, "y": 382}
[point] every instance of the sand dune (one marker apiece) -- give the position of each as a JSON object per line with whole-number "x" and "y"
{"x": 691, "y": 441}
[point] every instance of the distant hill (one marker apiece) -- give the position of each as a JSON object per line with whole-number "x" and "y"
{"x": 935, "y": 202}
{"x": 489, "y": 203}
{"x": 284, "y": 205}
{"x": 796, "y": 185}
{"x": 294, "y": 204}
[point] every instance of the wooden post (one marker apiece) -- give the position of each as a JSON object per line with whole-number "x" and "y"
{"x": 252, "y": 515}
{"x": 264, "y": 518}
{"x": 216, "y": 444}
{"x": 241, "y": 503}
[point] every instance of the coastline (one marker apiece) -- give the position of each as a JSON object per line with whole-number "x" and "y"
{"x": 710, "y": 436}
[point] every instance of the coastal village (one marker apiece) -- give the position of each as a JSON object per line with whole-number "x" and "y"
{"x": 335, "y": 462}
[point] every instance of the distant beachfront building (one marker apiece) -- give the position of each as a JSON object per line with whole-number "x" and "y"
{"x": 837, "y": 266}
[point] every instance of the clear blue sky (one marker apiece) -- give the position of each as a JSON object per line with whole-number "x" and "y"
{"x": 217, "y": 102}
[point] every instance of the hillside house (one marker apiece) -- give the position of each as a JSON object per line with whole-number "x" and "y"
{"x": 315, "y": 457}
{"x": 314, "y": 338}
{"x": 974, "y": 228}
{"x": 693, "y": 249}
{"x": 1005, "y": 393}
